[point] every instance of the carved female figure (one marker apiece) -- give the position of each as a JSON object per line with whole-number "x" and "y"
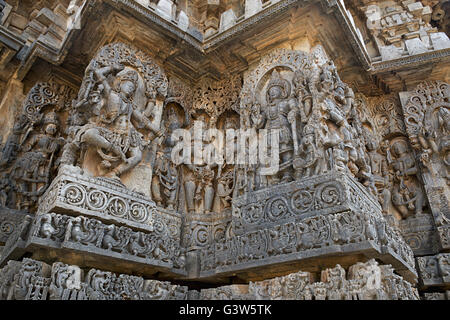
{"x": 165, "y": 171}
{"x": 111, "y": 130}
{"x": 15, "y": 139}
{"x": 225, "y": 187}
{"x": 31, "y": 172}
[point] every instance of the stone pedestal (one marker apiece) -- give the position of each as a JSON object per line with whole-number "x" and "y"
{"x": 322, "y": 220}
{"x": 93, "y": 222}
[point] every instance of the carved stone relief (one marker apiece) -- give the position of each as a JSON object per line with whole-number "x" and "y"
{"x": 426, "y": 112}
{"x": 35, "y": 280}
{"x": 32, "y": 151}
{"x": 356, "y": 175}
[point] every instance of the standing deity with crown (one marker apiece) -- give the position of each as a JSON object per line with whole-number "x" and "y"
{"x": 279, "y": 104}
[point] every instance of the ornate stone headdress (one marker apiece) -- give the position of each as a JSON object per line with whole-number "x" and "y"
{"x": 232, "y": 122}
{"x": 130, "y": 75}
{"x": 51, "y": 118}
{"x": 277, "y": 81}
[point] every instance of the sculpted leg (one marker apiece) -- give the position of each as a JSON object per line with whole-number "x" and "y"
{"x": 419, "y": 202}
{"x": 190, "y": 193}
{"x": 209, "y": 197}
{"x": 130, "y": 163}
{"x": 156, "y": 190}
{"x": 93, "y": 137}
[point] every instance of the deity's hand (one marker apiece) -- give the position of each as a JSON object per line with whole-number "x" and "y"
{"x": 291, "y": 116}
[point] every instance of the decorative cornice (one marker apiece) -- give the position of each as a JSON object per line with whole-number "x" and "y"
{"x": 358, "y": 47}
{"x": 410, "y": 61}
{"x": 265, "y": 14}
{"x": 55, "y": 55}
{"x": 149, "y": 15}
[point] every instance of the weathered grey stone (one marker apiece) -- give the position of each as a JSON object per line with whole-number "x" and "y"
{"x": 88, "y": 175}
{"x": 440, "y": 41}
{"x": 434, "y": 270}
{"x": 227, "y": 20}
{"x": 164, "y": 8}
{"x": 105, "y": 199}
{"x": 252, "y": 7}
{"x": 183, "y": 21}
{"x": 415, "y": 46}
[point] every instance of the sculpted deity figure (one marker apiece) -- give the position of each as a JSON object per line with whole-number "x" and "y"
{"x": 311, "y": 160}
{"x": 444, "y": 144}
{"x": 379, "y": 171}
{"x": 303, "y": 95}
{"x": 15, "y": 140}
{"x": 198, "y": 182}
{"x": 226, "y": 174}
{"x": 199, "y": 187}
{"x": 328, "y": 76}
{"x": 110, "y": 129}
{"x": 275, "y": 117}
{"x": 165, "y": 173}
{"x": 407, "y": 194}
{"x": 31, "y": 171}
{"x": 225, "y": 188}
{"x": 5, "y": 189}
{"x": 444, "y": 120}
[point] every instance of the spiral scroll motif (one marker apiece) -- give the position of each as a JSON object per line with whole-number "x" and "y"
{"x": 97, "y": 200}
{"x": 277, "y": 208}
{"x": 138, "y": 212}
{"x": 160, "y": 228}
{"x": 414, "y": 242}
{"x": 117, "y": 207}
{"x": 74, "y": 194}
{"x": 330, "y": 194}
{"x": 6, "y": 227}
{"x": 302, "y": 201}
{"x": 201, "y": 235}
{"x": 252, "y": 213}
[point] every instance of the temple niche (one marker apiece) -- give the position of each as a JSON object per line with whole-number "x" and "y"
{"x": 307, "y": 161}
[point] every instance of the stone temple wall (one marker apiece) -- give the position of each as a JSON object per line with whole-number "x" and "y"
{"x": 126, "y": 166}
